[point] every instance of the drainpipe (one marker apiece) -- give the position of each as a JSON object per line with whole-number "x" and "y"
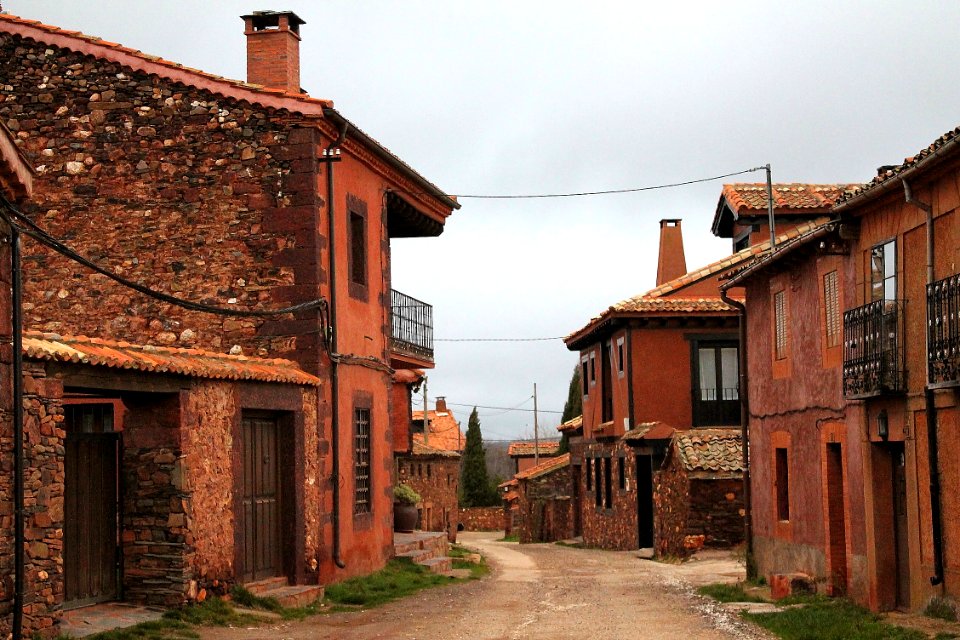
{"x": 744, "y": 427}
{"x": 330, "y": 155}
{"x": 933, "y": 445}
{"x": 18, "y": 508}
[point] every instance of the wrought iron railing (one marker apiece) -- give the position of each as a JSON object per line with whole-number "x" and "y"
{"x": 412, "y": 323}
{"x": 873, "y": 349}
{"x": 943, "y": 330}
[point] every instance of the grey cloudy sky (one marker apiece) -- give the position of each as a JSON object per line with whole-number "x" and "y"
{"x": 503, "y": 97}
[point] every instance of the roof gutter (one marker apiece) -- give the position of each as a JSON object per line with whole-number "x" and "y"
{"x": 428, "y": 187}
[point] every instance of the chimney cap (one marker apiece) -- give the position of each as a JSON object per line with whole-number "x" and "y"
{"x": 261, "y": 20}
{"x": 670, "y": 222}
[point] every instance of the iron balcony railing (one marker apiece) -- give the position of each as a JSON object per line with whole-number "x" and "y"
{"x": 943, "y": 331}
{"x": 412, "y": 323}
{"x": 873, "y": 349}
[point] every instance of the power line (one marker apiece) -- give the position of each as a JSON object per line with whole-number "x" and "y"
{"x": 480, "y": 406}
{"x": 603, "y": 192}
{"x": 498, "y": 339}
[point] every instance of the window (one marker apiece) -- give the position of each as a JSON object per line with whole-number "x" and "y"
{"x": 716, "y": 395}
{"x": 88, "y": 418}
{"x": 584, "y": 373}
{"x": 831, "y": 309}
{"x": 607, "y": 484}
{"x": 361, "y": 460}
{"x": 883, "y": 271}
{"x": 780, "y": 324}
{"x": 606, "y": 409}
{"x": 589, "y": 477}
{"x": 598, "y": 494}
{"x": 358, "y": 249}
{"x": 783, "y": 484}
{"x": 593, "y": 368}
{"x": 620, "y": 357}
{"x": 621, "y": 474}
{"x": 428, "y": 470}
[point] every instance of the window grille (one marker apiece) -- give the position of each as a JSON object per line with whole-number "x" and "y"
{"x": 831, "y": 309}
{"x": 361, "y": 471}
{"x": 780, "y": 324}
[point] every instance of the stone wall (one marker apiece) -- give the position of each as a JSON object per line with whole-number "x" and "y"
{"x": 614, "y": 527}
{"x": 545, "y": 508}
{"x": 716, "y": 511}
{"x": 436, "y": 479}
{"x": 482, "y": 519}
{"x": 43, "y": 500}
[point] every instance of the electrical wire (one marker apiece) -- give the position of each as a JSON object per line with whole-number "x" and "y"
{"x": 30, "y": 228}
{"x": 480, "y": 406}
{"x": 498, "y": 339}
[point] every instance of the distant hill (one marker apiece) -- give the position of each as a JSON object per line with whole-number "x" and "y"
{"x": 499, "y": 464}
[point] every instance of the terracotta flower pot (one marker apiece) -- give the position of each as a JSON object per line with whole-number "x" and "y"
{"x": 404, "y": 517}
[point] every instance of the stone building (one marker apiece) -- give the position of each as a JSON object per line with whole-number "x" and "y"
{"x": 854, "y": 366}
{"x": 525, "y": 454}
{"x": 543, "y": 508}
{"x": 248, "y": 195}
{"x": 435, "y": 475}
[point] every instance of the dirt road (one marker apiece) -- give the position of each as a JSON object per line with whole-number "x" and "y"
{"x": 542, "y": 592}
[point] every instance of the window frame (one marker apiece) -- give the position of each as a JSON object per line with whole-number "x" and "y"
{"x": 889, "y": 268}
{"x": 358, "y": 266}
{"x": 781, "y": 329}
{"x": 363, "y": 458}
{"x": 781, "y": 481}
{"x": 832, "y": 314}
{"x": 620, "y": 357}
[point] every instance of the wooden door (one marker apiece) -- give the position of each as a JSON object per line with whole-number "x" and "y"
{"x": 90, "y": 545}
{"x": 577, "y": 500}
{"x": 836, "y": 520}
{"x": 260, "y": 549}
{"x": 900, "y": 532}
{"x": 645, "y": 501}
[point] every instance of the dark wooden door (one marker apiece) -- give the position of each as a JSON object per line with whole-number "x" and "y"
{"x": 577, "y": 500}
{"x": 261, "y": 555}
{"x": 901, "y": 541}
{"x": 645, "y": 501}
{"x": 836, "y": 521}
{"x": 90, "y": 545}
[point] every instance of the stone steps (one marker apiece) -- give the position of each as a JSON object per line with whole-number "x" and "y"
{"x": 288, "y": 595}
{"x": 425, "y": 548}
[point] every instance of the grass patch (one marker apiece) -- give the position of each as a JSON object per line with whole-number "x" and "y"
{"x": 401, "y": 577}
{"x": 942, "y": 608}
{"x": 723, "y": 592}
{"x": 163, "y": 629}
{"x": 831, "y": 620}
{"x": 513, "y": 537}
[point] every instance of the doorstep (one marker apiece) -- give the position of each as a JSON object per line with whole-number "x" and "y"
{"x": 96, "y": 618}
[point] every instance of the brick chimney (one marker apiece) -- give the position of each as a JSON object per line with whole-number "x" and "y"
{"x": 441, "y": 404}
{"x": 672, "y": 263}
{"x": 273, "y": 49}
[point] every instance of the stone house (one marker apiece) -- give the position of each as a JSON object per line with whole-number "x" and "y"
{"x": 255, "y": 195}
{"x": 544, "y": 509}
{"x": 525, "y": 453}
{"x": 661, "y": 361}
{"x": 853, "y": 340}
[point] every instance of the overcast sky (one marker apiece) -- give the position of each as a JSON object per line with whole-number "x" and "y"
{"x": 508, "y": 97}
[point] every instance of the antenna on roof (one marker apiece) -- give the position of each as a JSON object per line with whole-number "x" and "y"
{"x": 773, "y": 231}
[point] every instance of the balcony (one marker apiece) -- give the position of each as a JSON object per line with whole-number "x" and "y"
{"x": 943, "y": 332}
{"x": 873, "y": 350}
{"x": 411, "y": 339}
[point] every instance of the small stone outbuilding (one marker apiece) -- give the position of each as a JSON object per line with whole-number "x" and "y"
{"x": 544, "y": 505}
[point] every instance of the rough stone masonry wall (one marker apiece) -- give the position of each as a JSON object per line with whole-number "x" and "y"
{"x": 197, "y": 195}
{"x": 545, "y": 508}
{"x": 671, "y": 500}
{"x": 616, "y": 527}
{"x": 716, "y": 510}
{"x": 482, "y": 518}
{"x": 436, "y": 479}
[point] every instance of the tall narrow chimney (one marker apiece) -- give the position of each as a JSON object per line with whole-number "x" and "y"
{"x": 441, "y": 404}
{"x": 672, "y": 263}
{"x": 273, "y": 49}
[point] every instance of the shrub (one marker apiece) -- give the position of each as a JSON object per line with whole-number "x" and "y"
{"x": 404, "y": 494}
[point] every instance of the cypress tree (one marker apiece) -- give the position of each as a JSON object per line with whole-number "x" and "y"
{"x": 574, "y": 404}
{"x": 474, "y": 483}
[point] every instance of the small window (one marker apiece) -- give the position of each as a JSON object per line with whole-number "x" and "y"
{"x": 584, "y": 372}
{"x": 831, "y": 309}
{"x": 361, "y": 460}
{"x": 883, "y": 271}
{"x": 593, "y": 368}
{"x": 358, "y": 249}
{"x": 620, "y": 356}
{"x": 780, "y": 324}
{"x": 621, "y": 474}
{"x": 589, "y": 477}
{"x": 428, "y": 470}
{"x": 607, "y": 484}
{"x": 420, "y": 470}
{"x": 783, "y": 484}
{"x": 597, "y": 469}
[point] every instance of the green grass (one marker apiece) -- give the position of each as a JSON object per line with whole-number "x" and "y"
{"x": 401, "y": 577}
{"x": 513, "y": 537}
{"x": 722, "y": 592}
{"x": 163, "y": 629}
{"x": 831, "y": 620}
{"x": 942, "y": 608}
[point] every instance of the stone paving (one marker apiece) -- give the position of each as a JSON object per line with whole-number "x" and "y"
{"x": 96, "y": 618}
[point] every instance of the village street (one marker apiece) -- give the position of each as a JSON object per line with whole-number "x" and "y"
{"x": 542, "y": 591}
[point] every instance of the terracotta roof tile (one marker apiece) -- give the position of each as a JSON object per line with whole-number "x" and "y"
{"x": 444, "y": 431}
{"x": 547, "y": 448}
{"x": 652, "y": 430}
{"x": 420, "y": 449}
{"x": 572, "y": 424}
{"x": 549, "y": 466}
{"x": 745, "y": 198}
{"x": 187, "y": 362}
{"x": 735, "y": 278}
{"x": 643, "y": 304}
{"x": 716, "y": 450}
{"x": 943, "y": 144}
{"x": 16, "y": 174}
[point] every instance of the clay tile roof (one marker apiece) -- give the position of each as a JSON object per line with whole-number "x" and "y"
{"x": 186, "y": 362}
{"x": 747, "y": 198}
{"x": 407, "y": 376}
{"x": 649, "y": 430}
{"x": 890, "y": 176}
{"x": 444, "y": 431}
{"x": 511, "y": 495}
{"x": 542, "y": 469}
{"x": 643, "y": 304}
{"x": 715, "y": 450}
{"x": 736, "y": 278}
{"x": 155, "y": 65}
{"x": 16, "y": 174}
{"x": 546, "y": 448}
{"x": 571, "y": 425}
{"x": 512, "y": 482}
{"x": 420, "y": 449}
